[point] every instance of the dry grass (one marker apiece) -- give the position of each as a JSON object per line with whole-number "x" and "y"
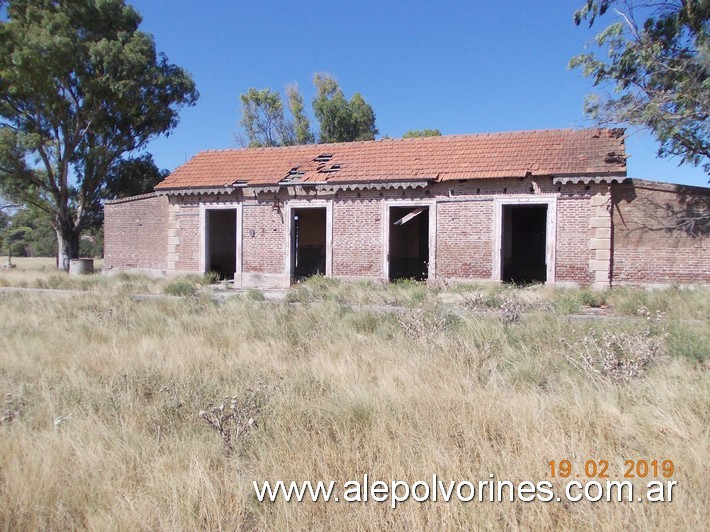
{"x": 105, "y": 430}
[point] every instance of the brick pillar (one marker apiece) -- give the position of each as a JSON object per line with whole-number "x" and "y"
{"x": 173, "y": 237}
{"x": 600, "y": 240}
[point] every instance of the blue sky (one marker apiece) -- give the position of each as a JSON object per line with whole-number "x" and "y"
{"x": 459, "y": 66}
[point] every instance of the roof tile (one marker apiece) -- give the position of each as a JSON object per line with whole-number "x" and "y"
{"x": 595, "y": 152}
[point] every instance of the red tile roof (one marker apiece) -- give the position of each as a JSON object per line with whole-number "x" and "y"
{"x": 597, "y": 152}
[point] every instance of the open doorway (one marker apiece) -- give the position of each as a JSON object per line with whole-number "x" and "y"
{"x": 221, "y": 252}
{"x": 308, "y": 242}
{"x": 409, "y": 243}
{"x": 524, "y": 245}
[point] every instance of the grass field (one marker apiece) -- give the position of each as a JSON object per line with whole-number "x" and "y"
{"x": 103, "y": 394}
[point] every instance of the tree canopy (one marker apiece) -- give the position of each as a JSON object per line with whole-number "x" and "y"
{"x": 263, "y": 119}
{"x": 657, "y": 61}
{"x": 341, "y": 120}
{"x": 80, "y": 88}
{"x": 132, "y": 176}
{"x": 265, "y": 123}
{"x": 415, "y": 133}
{"x": 301, "y": 124}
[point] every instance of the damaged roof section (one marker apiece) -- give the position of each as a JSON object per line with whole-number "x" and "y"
{"x": 561, "y": 152}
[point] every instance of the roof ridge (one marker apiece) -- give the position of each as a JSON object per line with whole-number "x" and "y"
{"x": 436, "y": 138}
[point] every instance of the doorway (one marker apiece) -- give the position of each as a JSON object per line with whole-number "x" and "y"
{"x": 409, "y": 243}
{"x": 221, "y": 253}
{"x": 524, "y": 244}
{"x": 308, "y": 242}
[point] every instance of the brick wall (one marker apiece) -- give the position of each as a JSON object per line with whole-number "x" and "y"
{"x": 185, "y": 216}
{"x": 649, "y": 244}
{"x": 630, "y": 235}
{"x": 573, "y": 252}
{"x": 264, "y": 236}
{"x": 357, "y": 235}
{"x": 464, "y": 243}
{"x": 135, "y": 232}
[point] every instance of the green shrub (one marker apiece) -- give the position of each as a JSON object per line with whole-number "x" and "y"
{"x": 210, "y": 278}
{"x": 689, "y": 343}
{"x": 181, "y": 287}
{"x": 593, "y": 298}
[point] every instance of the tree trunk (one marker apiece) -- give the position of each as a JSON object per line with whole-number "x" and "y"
{"x": 67, "y": 247}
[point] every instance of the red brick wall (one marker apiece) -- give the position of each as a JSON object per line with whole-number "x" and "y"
{"x": 357, "y": 235}
{"x": 465, "y": 226}
{"x": 649, "y": 246}
{"x": 464, "y": 244}
{"x": 135, "y": 233}
{"x": 264, "y": 234}
{"x": 573, "y": 233}
{"x": 187, "y": 218}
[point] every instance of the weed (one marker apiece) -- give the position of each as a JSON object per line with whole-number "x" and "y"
{"x": 210, "y": 278}
{"x": 593, "y": 298}
{"x": 420, "y": 324}
{"x": 235, "y": 418}
{"x": 180, "y": 287}
{"x": 13, "y": 408}
{"x": 252, "y": 294}
{"x": 618, "y": 355}
{"x": 511, "y": 309}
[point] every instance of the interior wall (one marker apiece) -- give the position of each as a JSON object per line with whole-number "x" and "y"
{"x": 309, "y": 245}
{"x": 409, "y": 244}
{"x": 222, "y": 247}
{"x": 524, "y": 243}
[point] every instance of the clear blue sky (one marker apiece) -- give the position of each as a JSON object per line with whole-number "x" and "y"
{"x": 459, "y": 66}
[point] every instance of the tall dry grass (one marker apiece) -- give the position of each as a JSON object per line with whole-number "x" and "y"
{"x": 104, "y": 396}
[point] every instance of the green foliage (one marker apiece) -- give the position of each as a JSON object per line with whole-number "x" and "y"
{"x": 133, "y": 176}
{"x": 4, "y": 224}
{"x": 180, "y": 287}
{"x": 82, "y": 87}
{"x": 30, "y": 233}
{"x": 263, "y": 119}
{"x": 689, "y": 342}
{"x": 301, "y": 124}
{"x": 210, "y": 278}
{"x": 341, "y": 120}
{"x": 92, "y": 243}
{"x": 659, "y": 70}
{"x": 415, "y": 133}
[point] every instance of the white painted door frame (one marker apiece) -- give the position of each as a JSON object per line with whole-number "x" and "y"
{"x": 292, "y": 204}
{"x": 550, "y": 236}
{"x": 204, "y": 235}
{"x": 409, "y": 203}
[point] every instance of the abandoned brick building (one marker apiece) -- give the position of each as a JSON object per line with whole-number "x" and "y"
{"x": 551, "y": 206}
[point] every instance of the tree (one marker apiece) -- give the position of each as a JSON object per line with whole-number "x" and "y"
{"x": 33, "y": 235}
{"x": 341, "y": 120}
{"x": 80, "y": 88}
{"x": 4, "y": 226}
{"x": 363, "y": 118}
{"x": 301, "y": 124}
{"x": 659, "y": 70}
{"x": 415, "y": 133}
{"x": 263, "y": 119}
{"x": 133, "y": 176}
